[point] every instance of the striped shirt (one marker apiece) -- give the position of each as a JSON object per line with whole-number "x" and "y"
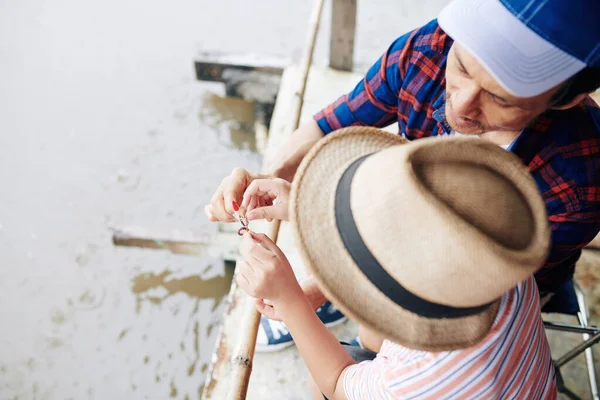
{"x": 512, "y": 362}
{"x": 562, "y": 149}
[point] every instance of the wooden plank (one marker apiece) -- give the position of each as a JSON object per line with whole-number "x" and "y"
{"x": 221, "y": 245}
{"x": 246, "y": 76}
{"x": 210, "y": 65}
{"x": 343, "y": 31}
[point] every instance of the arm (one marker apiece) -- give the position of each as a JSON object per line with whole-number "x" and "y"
{"x": 269, "y": 199}
{"x": 373, "y": 102}
{"x": 266, "y": 272}
{"x": 284, "y": 166}
{"x": 288, "y": 158}
{"x": 312, "y": 293}
{"x": 325, "y": 358}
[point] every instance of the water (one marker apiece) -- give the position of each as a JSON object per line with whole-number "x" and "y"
{"x": 102, "y": 123}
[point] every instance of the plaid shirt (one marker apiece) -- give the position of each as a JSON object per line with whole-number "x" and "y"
{"x": 561, "y": 149}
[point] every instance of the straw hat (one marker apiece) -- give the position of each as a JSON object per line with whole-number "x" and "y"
{"x": 418, "y": 240}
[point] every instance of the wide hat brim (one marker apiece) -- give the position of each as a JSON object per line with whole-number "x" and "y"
{"x": 312, "y": 212}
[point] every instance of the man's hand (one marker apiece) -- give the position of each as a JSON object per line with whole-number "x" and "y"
{"x": 283, "y": 166}
{"x": 267, "y": 199}
{"x": 231, "y": 189}
{"x": 266, "y": 272}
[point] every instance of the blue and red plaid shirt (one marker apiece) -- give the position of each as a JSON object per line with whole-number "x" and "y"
{"x": 561, "y": 149}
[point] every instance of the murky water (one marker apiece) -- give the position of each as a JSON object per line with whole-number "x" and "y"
{"x": 102, "y": 123}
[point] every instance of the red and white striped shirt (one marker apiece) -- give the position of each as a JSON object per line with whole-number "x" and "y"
{"x": 512, "y": 362}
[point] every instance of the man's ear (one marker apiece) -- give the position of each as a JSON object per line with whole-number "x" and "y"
{"x": 572, "y": 103}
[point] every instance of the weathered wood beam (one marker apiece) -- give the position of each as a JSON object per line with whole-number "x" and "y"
{"x": 343, "y": 31}
{"x": 248, "y": 76}
{"x": 223, "y": 244}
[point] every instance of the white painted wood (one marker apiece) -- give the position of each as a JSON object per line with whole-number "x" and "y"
{"x": 343, "y": 31}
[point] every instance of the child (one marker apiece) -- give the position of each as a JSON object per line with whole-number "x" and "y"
{"x": 430, "y": 244}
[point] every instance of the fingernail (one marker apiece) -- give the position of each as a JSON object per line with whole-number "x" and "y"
{"x": 235, "y": 206}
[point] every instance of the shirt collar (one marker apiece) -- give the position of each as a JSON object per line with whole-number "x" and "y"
{"x": 439, "y": 113}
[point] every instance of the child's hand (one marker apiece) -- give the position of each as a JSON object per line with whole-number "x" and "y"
{"x": 267, "y": 308}
{"x": 267, "y": 199}
{"x": 265, "y": 272}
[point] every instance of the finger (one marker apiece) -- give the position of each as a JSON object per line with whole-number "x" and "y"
{"x": 260, "y": 188}
{"x": 267, "y": 302}
{"x": 209, "y": 214}
{"x": 244, "y": 208}
{"x": 278, "y": 211}
{"x": 251, "y": 251}
{"x": 265, "y": 242}
{"x": 253, "y": 203}
{"x": 247, "y": 270}
{"x": 250, "y": 194}
{"x": 265, "y": 309}
{"x": 243, "y": 282}
{"x": 265, "y": 201}
{"x": 256, "y": 237}
{"x": 218, "y": 207}
{"x": 233, "y": 190}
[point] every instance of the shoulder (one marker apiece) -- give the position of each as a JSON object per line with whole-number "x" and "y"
{"x": 428, "y": 37}
{"x": 569, "y": 159}
{"x": 417, "y": 46}
{"x": 431, "y": 37}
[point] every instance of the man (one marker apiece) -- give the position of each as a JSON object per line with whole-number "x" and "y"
{"x": 513, "y": 72}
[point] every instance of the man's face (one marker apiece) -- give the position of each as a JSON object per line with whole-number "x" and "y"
{"x": 476, "y": 103}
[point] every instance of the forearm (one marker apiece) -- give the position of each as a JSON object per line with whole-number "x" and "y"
{"x": 290, "y": 155}
{"x": 315, "y": 297}
{"x": 324, "y": 356}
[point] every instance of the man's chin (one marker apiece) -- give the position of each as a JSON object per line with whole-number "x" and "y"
{"x": 467, "y": 129}
{"x": 464, "y": 128}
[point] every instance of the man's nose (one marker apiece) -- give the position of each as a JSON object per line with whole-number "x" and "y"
{"x": 466, "y": 102}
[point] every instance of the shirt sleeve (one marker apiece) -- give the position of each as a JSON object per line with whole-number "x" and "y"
{"x": 374, "y": 100}
{"x": 365, "y": 381}
{"x": 571, "y": 231}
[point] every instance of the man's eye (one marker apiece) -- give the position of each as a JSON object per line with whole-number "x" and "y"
{"x": 501, "y": 102}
